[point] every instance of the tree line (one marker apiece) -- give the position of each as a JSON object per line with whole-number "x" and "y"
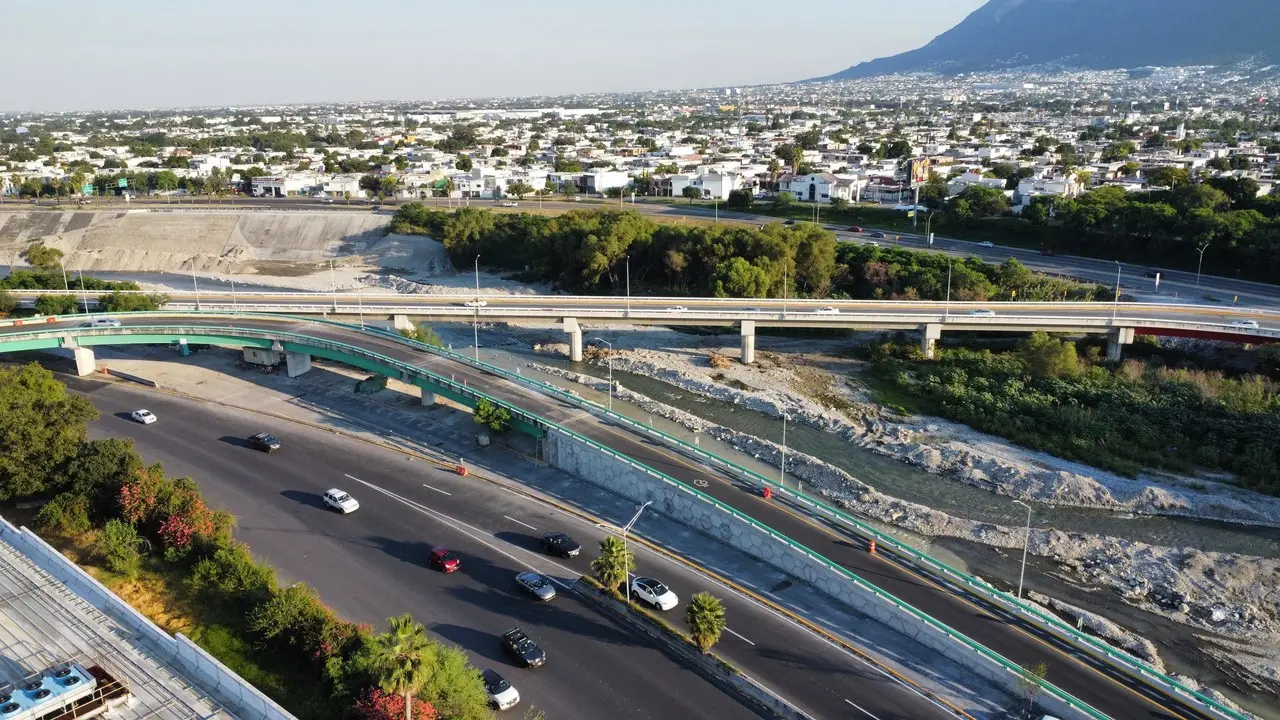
{"x": 135, "y": 519}
{"x": 597, "y": 251}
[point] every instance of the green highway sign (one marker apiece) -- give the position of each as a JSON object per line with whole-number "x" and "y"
{"x": 87, "y": 189}
{"x": 122, "y": 182}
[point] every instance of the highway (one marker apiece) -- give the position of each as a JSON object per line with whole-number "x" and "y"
{"x": 1182, "y": 283}
{"x": 1100, "y": 686}
{"x": 370, "y": 565}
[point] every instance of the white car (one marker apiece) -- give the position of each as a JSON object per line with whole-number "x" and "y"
{"x": 1245, "y": 324}
{"x": 477, "y": 303}
{"x": 340, "y": 501}
{"x": 872, "y": 243}
{"x": 146, "y": 417}
{"x": 986, "y": 243}
{"x": 501, "y": 694}
{"x": 509, "y": 203}
{"x": 983, "y": 313}
{"x": 654, "y": 593}
{"x": 827, "y": 311}
{"x": 678, "y": 308}
{"x": 101, "y": 323}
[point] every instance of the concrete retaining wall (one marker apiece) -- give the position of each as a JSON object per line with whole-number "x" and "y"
{"x": 243, "y": 699}
{"x": 636, "y": 482}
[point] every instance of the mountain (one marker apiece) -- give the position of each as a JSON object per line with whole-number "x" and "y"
{"x": 1093, "y": 34}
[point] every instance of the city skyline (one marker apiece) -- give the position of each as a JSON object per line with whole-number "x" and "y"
{"x": 237, "y": 53}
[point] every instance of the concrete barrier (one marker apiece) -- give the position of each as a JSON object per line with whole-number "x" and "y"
{"x": 214, "y": 678}
{"x": 634, "y": 481}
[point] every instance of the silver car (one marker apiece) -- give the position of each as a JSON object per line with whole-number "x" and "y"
{"x": 536, "y": 585}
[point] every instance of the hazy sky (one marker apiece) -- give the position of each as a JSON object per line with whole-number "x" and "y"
{"x": 95, "y": 54}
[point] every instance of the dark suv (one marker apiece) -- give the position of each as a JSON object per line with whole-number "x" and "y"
{"x": 557, "y": 543}
{"x": 266, "y": 442}
{"x": 522, "y": 648}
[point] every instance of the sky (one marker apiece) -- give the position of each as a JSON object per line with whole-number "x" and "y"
{"x": 97, "y": 55}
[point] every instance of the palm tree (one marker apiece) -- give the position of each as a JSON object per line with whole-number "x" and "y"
{"x": 613, "y": 563}
{"x": 403, "y": 659}
{"x": 705, "y": 617}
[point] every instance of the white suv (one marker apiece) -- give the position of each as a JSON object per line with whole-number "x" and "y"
{"x": 340, "y": 501}
{"x": 654, "y": 592}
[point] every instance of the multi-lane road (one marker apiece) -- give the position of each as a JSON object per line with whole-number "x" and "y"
{"x": 370, "y": 565}
{"x": 1110, "y": 691}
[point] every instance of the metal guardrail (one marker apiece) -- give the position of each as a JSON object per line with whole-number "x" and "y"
{"x": 1085, "y": 642}
{"x": 1127, "y": 662}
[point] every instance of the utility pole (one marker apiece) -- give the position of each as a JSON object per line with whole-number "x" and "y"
{"x": 628, "y": 285}
{"x": 1200, "y": 264}
{"x": 475, "y": 326}
{"x": 1026, "y": 540}
{"x": 625, "y": 560}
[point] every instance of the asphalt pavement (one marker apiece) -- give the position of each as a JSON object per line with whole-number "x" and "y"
{"x": 370, "y": 565}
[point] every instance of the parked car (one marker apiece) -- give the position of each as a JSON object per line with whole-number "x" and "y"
{"x": 444, "y": 559}
{"x": 827, "y": 311}
{"x": 523, "y": 648}
{"x": 340, "y": 501}
{"x": 1245, "y": 324}
{"x": 983, "y": 313}
{"x": 501, "y": 695}
{"x": 266, "y": 442}
{"x": 558, "y": 543}
{"x": 146, "y": 417}
{"x": 986, "y": 243}
{"x": 477, "y": 303}
{"x": 654, "y": 592}
{"x": 536, "y": 585}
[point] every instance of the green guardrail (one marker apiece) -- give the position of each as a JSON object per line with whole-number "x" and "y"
{"x": 915, "y": 555}
{"x": 903, "y": 548}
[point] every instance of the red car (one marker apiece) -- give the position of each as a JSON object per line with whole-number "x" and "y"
{"x": 855, "y": 228}
{"x": 444, "y": 559}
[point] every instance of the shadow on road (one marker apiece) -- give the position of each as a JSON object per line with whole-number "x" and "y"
{"x": 409, "y": 551}
{"x": 521, "y": 540}
{"x": 122, "y": 415}
{"x": 309, "y": 499}
{"x": 234, "y": 441}
{"x": 487, "y": 645}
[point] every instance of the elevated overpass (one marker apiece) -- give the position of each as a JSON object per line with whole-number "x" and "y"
{"x": 1084, "y": 673}
{"x": 1120, "y": 321}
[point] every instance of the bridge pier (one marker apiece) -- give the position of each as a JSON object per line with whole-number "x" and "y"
{"x": 1116, "y": 339}
{"x": 85, "y": 363}
{"x": 429, "y": 399}
{"x": 574, "y": 330}
{"x": 748, "y": 342}
{"x": 929, "y": 336}
{"x": 401, "y": 322}
{"x": 296, "y": 363}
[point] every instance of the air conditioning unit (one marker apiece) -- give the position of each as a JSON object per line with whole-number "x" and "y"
{"x": 58, "y": 687}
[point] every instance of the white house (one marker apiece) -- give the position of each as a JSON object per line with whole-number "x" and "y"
{"x": 814, "y": 187}
{"x": 1031, "y": 187}
{"x": 281, "y": 186}
{"x": 717, "y": 185}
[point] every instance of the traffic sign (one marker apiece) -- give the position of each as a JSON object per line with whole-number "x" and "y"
{"x": 87, "y": 189}
{"x": 122, "y": 182}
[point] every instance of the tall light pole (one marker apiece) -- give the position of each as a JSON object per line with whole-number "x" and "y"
{"x": 946, "y": 313}
{"x": 928, "y": 233}
{"x": 782, "y": 474}
{"x": 84, "y": 297}
{"x": 628, "y": 285}
{"x": 606, "y": 342}
{"x": 1200, "y": 264}
{"x": 235, "y": 305}
{"x": 1026, "y": 540}
{"x": 333, "y": 286}
{"x": 784, "y": 289}
{"x": 1115, "y": 308}
{"x": 625, "y": 558}
{"x": 195, "y": 284}
{"x": 475, "y": 326}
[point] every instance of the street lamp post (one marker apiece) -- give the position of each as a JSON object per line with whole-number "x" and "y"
{"x": 628, "y": 285}
{"x": 928, "y": 233}
{"x": 1115, "y": 308}
{"x": 475, "y": 326}
{"x": 625, "y": 562}
{"x": 333, "y": 286}
{"x": 1026, "y": 540}
{"x": 946, "y": 313}
{"x": 84, "y": 296}
{"x": 606, "y": 342}
{"x": 1200, "y": 264}
{"x": 782, "y": 474}
{"x": 195, "y": 284}
{"x": 235, "y": 305}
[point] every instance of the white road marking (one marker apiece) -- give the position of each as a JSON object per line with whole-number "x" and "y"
{"x": 743, "y": 639}
{"x": 864, "y": 710}
{"x": 520, "y": 523}
{"x": 470, "y": 531}
{"x": 442, "y": 492}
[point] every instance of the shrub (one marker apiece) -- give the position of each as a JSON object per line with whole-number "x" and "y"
{"x": 8, "y": 303}
{"x": 117, "y": 546}
{"x": 494, "y": 417}
{"x": 378, "y": 705}
{"x": 423, "y": 334}
{"x": 66, "y": 514}
{"x": 116, "y": 301}
{"x": 231, "y": 576}
{"x": 57, "y": 305}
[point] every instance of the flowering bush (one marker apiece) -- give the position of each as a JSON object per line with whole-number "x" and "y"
{"x": 377, "y": 705}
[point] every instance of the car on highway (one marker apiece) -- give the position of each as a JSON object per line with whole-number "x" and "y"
{"x": 509, "y": 203}
{"x": 678, "y": 308}
{"x": 521, "y": 647}
{"x": 477, "y": 303}
{"x": 1245, "y": 324}
{"x": 788, "y": 222}
{"x": 872, "y": 243}
{"x": 654, "y": 592}
{"x": 1048, "y": 252}
{"x": 146, "y": 417}
{"x": 828, "y": 310}
{"x": 878, "y": 235}
{"x": 444, "y": 559}
{"x": 752, "y": 309}
{"x": 983, "y": 313}
{"x": 855, "y": 228}
{"x": 536, "y": 585}
{"x": 266, "y": 442}
{"x": 986, "y": 243}
{"x": 501, "y": 695}
{"x": 101, "y": 323}
{"x": 1150, "y": 274}
{"x": 558, "y": 543}
{"x": 340, "y": 501}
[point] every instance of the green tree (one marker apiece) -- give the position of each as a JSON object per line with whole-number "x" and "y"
{"x": 403, "y": 659}
{"x": 463, "y": 163}
{"x": 8, "y": 303}
{"x": 494, "y": 417}
{"x": 934, "y": 191}
{"x": 783, "y": 199}
{"x": 1046, "y": 356}
{"x": 613, "y": 563}
{"x": 423, "y": 334}
{"x": 455, "y": 687}
{"x": 705, "y": 617}
{"x": 41, "y": 427}
{"x": 692, "y": 193}
{"x": 57, "y": 304}
{"x": 1030, "y": 683}
{"x": 790, "y": 154}
{"x": 519, "y": 188}
{"x": 740, "y": 200}
{"x": 737, "y": 277}
{"x": 165, "y": 181}
{"x": 42, "y": 257}
{"x": 117, "y": 301}
{"x": 118, "y": 546}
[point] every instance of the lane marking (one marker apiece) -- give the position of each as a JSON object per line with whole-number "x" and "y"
{"x": 520, "y": 523}
{"x": 864, "y": 710}
{"x": 743, "y": 639}
{"x": 442, "y": 492}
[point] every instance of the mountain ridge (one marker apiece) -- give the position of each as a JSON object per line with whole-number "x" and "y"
{"x": 1091, "y": 34}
